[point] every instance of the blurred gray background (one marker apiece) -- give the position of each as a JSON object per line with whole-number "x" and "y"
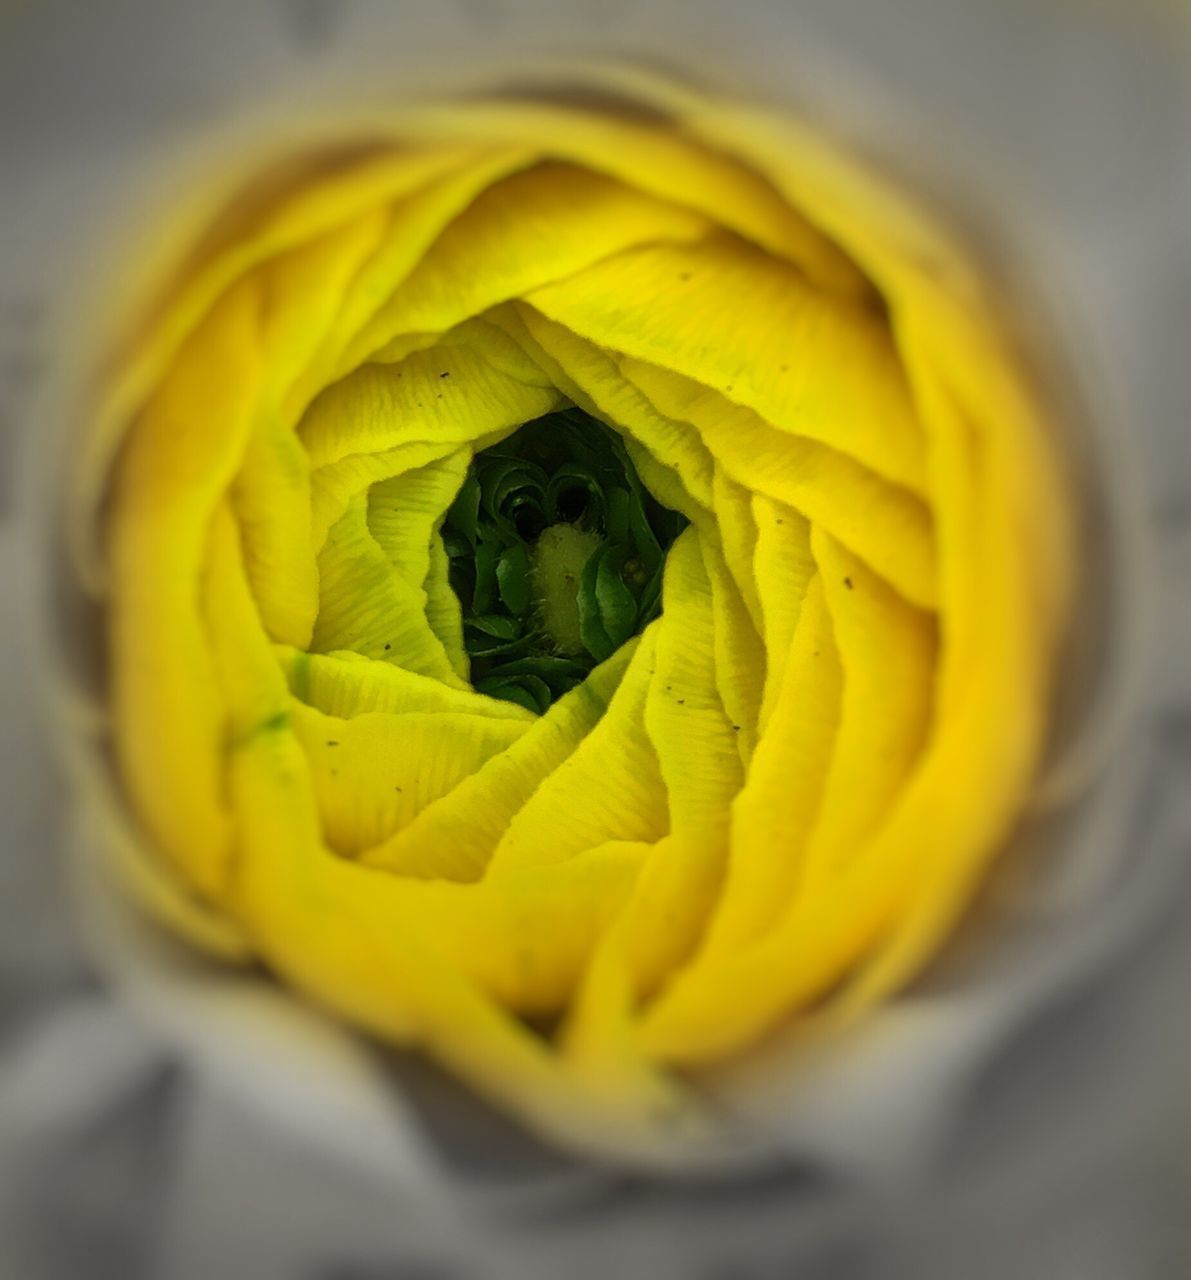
{"x": 121, "y": 1156}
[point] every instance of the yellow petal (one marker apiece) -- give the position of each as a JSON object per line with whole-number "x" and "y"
{"x": 608, "y": 789}
{"x": 176, "y": 464}
{"x": 666, "y": 164}
{"x": 414, "y": 222}
{"x": 783, "y": 569}
{"x": 367, "y": 606}
{"x": 887, "y": 652}
{"x": 347, "y": 684}
{"x": 288, "y": 207}
{"x": 664, "y": 304}
{"x": 884, "y": 524}
{"x": 271, "y": 492}
{"x": 373, "y": 774}
{"x": 446, "y": 395}
{"x": 782, "y": 795}
{"x": 525, "y": 231}
{"x": 404, "y": 515}
{"x": 591, "y": 379}
{"x": 457, "y": 837}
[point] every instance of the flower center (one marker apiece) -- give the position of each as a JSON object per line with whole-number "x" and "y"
{"x": 556, "y": 566}
{"x": 556, "y": 552}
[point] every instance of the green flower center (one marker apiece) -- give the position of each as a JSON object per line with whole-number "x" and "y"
{"x": 556, "y": 552}
{"x": 556, "y": 566}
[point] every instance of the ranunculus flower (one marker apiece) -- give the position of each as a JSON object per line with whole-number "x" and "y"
{"x": 583, "y": 754}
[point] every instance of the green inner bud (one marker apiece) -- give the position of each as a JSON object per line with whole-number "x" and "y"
{"x": 556, "y": 552}
{"x": 556, "y": 566}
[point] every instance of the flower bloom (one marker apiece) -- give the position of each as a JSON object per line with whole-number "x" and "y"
{"x": 768, "y": 802}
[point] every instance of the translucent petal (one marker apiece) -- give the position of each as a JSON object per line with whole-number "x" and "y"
{"x": 443, "y": 612}
{"x": 335, "y": 487}
{"x": 405, "y": 510}
{"x": 701, "y": 766}
{"x": 740, "y": 658}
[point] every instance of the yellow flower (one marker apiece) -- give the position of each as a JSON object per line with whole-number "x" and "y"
{"x": 769, "y": 806}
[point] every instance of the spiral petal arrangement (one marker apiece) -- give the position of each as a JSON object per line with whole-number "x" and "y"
{"x": 772, "y": 789}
